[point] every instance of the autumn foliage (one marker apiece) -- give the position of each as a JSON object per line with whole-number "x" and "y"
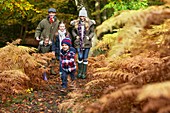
{"x": 21, "y": 69}
{"x": 131, "y": 76}
{"x": 136, "y": 80}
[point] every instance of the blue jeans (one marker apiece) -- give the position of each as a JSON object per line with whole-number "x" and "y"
{"x": 64, "y": 78}
{"x": 60, "y": 67}
{"x": 83, "y": 54}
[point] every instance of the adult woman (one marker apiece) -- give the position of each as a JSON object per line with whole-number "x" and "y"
{"x": 83, "y": 33}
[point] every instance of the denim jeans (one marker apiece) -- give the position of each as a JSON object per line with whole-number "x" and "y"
{"x": 64, "y": 77}
{"x": 83, "y": 54}
{"x": 60, "y": 67}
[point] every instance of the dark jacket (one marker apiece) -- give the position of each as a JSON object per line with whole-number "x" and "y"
{"x": 45, "y": 28}
{"x": 44, "y": 49}
{"x": 89, "y": 31}
{"x": 56, "y": 42}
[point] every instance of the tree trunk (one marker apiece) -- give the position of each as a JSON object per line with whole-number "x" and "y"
{"x": 97, "y": 7}
{"x": 79, "y": 4}
{"x": 104, "y": 14}
{"x": 25, "y": 33}
{"x": 22, "y": 29}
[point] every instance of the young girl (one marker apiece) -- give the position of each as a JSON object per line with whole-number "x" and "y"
{"x": 61, "y": 34}
{"x": 83, "y": 33}
{"x": 68, "y": 64}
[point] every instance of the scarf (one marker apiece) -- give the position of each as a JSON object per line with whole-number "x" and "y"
{"x": 51, "y": 19}
{"x": 82, "y": 32}
{"x": 62, "y": 35}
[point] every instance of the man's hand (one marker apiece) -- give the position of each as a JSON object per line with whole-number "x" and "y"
{"x": 37, "y": 38}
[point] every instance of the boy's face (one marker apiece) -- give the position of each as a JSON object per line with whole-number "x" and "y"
{"x": 65, "y": 47}
{"x": 62, "y": 27}
{"x": 46, "y": 41}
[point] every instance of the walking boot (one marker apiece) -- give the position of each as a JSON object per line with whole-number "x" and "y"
{"x": 80, "y": 66}
{"x": 52, "y": 71}
{"x": 83, "y": 76}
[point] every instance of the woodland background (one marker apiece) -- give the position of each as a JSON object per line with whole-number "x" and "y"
{"x": 128, "y": 70}
{"x": 19, "y": 18}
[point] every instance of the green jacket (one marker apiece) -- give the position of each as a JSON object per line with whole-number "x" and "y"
{"x": 46, "y": 29}
{"x": 89, "y": 32}
{"x": 44, "y": 49}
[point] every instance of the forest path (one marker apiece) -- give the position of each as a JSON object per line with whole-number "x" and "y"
{"x": 41, "y": 101}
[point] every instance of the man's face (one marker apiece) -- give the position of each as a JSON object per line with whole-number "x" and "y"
{"x": 51, "y": 14}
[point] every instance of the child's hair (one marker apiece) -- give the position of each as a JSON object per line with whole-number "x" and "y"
{"x": 46, "y": 38}
{"x": 62, "y": 22}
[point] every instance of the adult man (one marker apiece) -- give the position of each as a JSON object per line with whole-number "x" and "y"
{"x": 48, "y": 26}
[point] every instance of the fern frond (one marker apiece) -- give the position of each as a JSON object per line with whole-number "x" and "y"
{"x": 93, "y": 83}
{"x": 155, "y": 91}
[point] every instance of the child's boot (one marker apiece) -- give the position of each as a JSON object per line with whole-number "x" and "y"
{"x": 45, "y": 76}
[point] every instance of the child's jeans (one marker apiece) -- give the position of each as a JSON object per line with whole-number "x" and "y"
{"x": 64, "y": 77}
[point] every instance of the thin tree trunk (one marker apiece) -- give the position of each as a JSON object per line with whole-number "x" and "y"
{"x": 21, "y": 32}
{"x": 97, "y": 7}
{"x": 79, "y": 4}
{"x": 104, "y": 14}
{"x": 25, "y": 33}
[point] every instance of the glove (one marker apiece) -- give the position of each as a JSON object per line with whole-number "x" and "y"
{"x": 37, "y": 38}
{"x": 87, "y": 38}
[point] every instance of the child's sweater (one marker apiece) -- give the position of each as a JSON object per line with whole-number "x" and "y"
{"x": 68, "y": 60}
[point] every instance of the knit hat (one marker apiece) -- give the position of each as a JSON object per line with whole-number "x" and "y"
{"x": 66, "y": 41}
{"x": 51, "y": 10}
{"x": 83, "y": 12}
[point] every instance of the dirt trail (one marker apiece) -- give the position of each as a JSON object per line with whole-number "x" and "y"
{"x": 40, "y": 101}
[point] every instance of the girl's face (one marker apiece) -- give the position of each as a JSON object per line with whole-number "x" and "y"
{"x": 65, "y": 47}
{"x": 62, "y": 27}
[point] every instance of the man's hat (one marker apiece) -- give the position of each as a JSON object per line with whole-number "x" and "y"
{"x": 51, "y": 10}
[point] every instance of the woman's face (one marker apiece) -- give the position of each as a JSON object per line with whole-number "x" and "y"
{"x": 62, "y": 27}
{"x": 65, "y": 47}
{"x": 82, "y": 18}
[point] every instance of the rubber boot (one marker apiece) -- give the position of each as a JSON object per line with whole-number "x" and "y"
{"x": 84, "y": 71}
{"x": 45, "y": 76}
{"x": 52, "y": 71}
{"x": 80, "y": 66}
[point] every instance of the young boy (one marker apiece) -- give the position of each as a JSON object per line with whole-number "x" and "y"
{"x": 68, "y": 64}
{"x": 44, "y": 47}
